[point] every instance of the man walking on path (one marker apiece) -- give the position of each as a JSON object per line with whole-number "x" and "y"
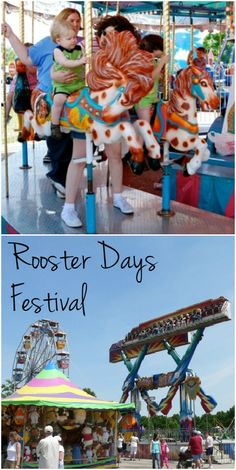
{"x": 196, "y": 448}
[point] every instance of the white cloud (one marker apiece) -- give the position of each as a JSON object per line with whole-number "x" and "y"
{"x": 182, "y": 54}
{"x": 200, "y": 35}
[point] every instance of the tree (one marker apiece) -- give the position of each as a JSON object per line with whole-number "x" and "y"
{"x": 144, "y": 421}
{"x": 89, "y": 391}
{"x": 208, "y": 421}
{"x": 225, "y": 418}
{"x": 10, "y": 55}
{"x": 214, "y": 41}
{"x": 8, "y": 388}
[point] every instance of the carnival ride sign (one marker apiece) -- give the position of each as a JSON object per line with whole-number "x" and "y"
{"x": 156, "y": 381}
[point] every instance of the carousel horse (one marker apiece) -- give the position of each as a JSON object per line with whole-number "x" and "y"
{"x": 121, "y": 74}
{"x": 176, "y": 121}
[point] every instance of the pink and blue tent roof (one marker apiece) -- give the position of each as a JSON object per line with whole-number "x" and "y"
{"x": 52, "y": 388}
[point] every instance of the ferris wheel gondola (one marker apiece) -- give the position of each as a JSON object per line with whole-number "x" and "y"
{"x": 42, "y": 342}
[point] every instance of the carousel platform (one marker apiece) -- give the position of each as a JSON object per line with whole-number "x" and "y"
{"x": 33, "y": 206}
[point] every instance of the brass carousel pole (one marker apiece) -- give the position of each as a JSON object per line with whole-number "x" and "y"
{"x": 21, "y": 21}
{"x": 24, "y": 165}
{"x": 4, "y": 106}
{"x": 32, "y": 23}
{"x": 90, "y": 196}
{"x": 165, "y": 211}
{"x": 117, "y": 7}
{"x": 22, "y": 38}
{"x": 220, "y": 40}
{"x": 166, "y": 31}
{"x": 32, "y": 38}
{"x": 116, "y": 434}
{"x": 173, "y": 46}
{"x": 191, "y": 35}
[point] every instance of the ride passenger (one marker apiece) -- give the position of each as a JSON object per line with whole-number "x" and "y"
{"x": 154, "y": 44}
{"x": 31, "y": 75}
{"x": 67, "y": 55}
{"x": 200, "y": 61}
{"x": 41, "y": 55}
{"x": 113, "y": 151}
{"x": 11, "y": 73}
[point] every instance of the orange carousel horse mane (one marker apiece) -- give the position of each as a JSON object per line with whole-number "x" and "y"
{"x": 122, "y": 60}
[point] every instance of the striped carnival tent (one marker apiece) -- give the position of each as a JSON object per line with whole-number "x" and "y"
{"x": 52, "y": 388}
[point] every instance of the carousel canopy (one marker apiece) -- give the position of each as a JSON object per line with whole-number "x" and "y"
{"x": 198, "y": 9}
{"x": 52, "y": 388}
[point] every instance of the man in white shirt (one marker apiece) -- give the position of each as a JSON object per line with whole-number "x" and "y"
{"x": 209, "y": 448}
{"x": 48, "y": 450}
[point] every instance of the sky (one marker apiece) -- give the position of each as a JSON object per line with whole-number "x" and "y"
{"x": 187, "y": 270}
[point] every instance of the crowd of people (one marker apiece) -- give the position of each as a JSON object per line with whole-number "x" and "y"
{"x": 196, "y": 448}
{"x": 159, "y": 449}
{"x": 175, "y": 323}
{"x": 50, "y": 451}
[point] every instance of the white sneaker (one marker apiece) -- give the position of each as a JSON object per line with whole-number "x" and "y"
{"x": 70, "y": 217}
{"x": 123, "y": 205}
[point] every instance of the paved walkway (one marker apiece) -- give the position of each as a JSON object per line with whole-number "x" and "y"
{"x": 147, "y": 463}
{"x": 34, "y": 208}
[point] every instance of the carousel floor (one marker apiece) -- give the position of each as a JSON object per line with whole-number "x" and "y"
{"x": 34, "y": 208}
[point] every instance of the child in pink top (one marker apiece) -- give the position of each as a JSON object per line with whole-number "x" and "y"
{"x": 164, "y": 454}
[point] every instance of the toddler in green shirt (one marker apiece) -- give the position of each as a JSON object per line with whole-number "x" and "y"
{"x": 67, "y": 55}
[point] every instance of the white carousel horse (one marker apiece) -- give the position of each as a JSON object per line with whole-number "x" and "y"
{"x": 177, "y": 120}
{"x": 121, "y": 74}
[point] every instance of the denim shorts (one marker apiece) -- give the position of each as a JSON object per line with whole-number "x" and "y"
{"x": 196, "y": 457}
{"x": 209, "y": 451}
{"x": 78, "y": 135}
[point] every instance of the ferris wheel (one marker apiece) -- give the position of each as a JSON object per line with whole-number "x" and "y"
{"x": 43, "y": 341}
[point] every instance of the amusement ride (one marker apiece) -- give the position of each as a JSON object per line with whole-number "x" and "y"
{"x": 201, "y": 165}
{"x": 165, "y": 333}
{"x": 42, "y": 342}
